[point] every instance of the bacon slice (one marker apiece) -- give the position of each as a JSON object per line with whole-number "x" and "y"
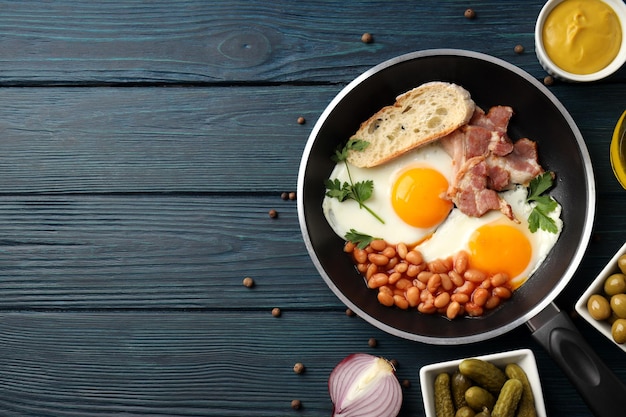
{"x": 486, "y": 160}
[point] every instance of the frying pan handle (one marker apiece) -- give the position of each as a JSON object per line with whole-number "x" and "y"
{"x": 603, "y": 392}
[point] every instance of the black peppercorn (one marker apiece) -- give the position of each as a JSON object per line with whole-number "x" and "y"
{"x": 296, "y": 404}
{"x": 298, "y": 368}
{"x": 248, "y": 282}
{"x": 367, "y": 38}
{"x": 372, "y": 342}
{"x": 273, "y": 213}
{"x": 301, "y": 120}
{"x": 284, "y": 196}
{"x": 276, "y": 312}
{"x": 470, "y": 13}
{"x": 519, "y": 49}
{"x": 548, "y": 80}
{"x": 292, "y": 195}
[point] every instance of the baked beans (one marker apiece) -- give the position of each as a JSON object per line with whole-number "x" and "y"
{"x": 445, "y": 286}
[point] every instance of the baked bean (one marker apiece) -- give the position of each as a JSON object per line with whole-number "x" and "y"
{"x": 492, "y": 302}
{"x": 433, "y": 283}
{"x": 475, "y": 275}
{"x": 371, "y": 270}
{"x": 398, "y": 291}
{"x": 392, "y": 262}
{"x": 424, "y": 276}
{"x": 400, "y": 302}
{"x": 473, "y": 309}
{"x": 499, "y": 279}
{"x": 453, "y": 310}
{"x": 360, "y": 255}
{"x": 389, "y": 252}
{"x": 426, "y": 308}
{"x": 419, "y": 284}
{"x": 413, "y": 270}
{"x": 437, "y": 266}
{"x": 414, "y": 257}
{"x": 402, "y": 250}
{"x": 401, "y": 267}
{"x": 442, "y": 300}
{"x": 385, "y": 299}
{"x": 480, "y": 296}
{"x": 378, "y": 280}
{"x": 446, "y": 282}
{"x": 386, "y": 289}
{"x": 486, "y": 284}
{"x": 378, "y": 259}
{"x": 394, "y": 277}
{"x": 502, "y": 292}
{"x": 413, "y": 296}
{"x": 461, "y": 262}
{"x": 467, "y": 288}
{"x": 404, "y": 284}
{"x": 362, "y": 268}
{"x": 349, "y": 247}
{"x": 460, "y": 298}
{"x": 378, "y": 245}
{"x": 456, "y": 278}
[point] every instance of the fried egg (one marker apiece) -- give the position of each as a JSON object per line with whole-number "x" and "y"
{"x": 494, "y": 242}
{"x": 408, "y": 195}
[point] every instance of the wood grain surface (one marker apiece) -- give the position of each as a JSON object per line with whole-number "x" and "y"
{"x": 142, "y": 146}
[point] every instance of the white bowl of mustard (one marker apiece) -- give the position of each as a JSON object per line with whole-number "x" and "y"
{"x": 581, "y": 40}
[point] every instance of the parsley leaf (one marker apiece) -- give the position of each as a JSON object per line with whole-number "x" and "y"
{"x": 341, "y": 154}
{"x": 539, "y": 217}
{"x": 360, "y": 191}
{"x": 360, "y": 239}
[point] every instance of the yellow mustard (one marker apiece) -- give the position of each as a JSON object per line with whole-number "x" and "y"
{"x": 582, "y": 36}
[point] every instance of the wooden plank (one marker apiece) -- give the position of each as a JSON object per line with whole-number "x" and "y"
{"x": 214, "y": 363}
{"x": 154, "y": 251}
{"x": 238, "y": 41}
{"x": 186, "y": 252}
{"x": 155, "y": 139}
{"x": 126, "y": 140}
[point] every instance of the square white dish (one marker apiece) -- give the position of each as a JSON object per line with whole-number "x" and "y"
{"x": 523, "y": 357}
{"x": 597, "y": 287}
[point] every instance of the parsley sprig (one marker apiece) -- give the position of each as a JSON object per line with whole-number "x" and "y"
{"x": 361, "y": 240}
{"x": 539, "y": 218}
{"x": 360, "y": 191}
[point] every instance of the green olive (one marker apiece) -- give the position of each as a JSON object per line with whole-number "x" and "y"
{"x": 618, "y": 305}
{"x": 599, "y": 307}
{"x": 621, "y": 263}
{"x": 615, "y": 284}
{"x": 618, "y": 330}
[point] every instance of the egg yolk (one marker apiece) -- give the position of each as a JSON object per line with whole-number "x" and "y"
{"x": 499, "y": 248}
{"x": 418, "y": 197}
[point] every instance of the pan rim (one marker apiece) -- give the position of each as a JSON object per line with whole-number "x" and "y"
{"x": 574, "y": 261}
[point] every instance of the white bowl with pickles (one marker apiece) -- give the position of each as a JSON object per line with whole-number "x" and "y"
{"x": 476, "y": 382}
{"x": 603, "y": 304}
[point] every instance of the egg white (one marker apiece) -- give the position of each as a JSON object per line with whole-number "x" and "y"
{"x": 346, "y": 215}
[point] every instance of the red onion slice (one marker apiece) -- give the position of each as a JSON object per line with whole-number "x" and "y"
{"x": 366, "y": 386}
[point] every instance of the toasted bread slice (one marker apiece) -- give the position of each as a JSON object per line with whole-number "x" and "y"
{"x": 419, "y": 116}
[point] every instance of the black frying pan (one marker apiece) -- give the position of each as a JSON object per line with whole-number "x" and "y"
{"x": 538, "y": 116}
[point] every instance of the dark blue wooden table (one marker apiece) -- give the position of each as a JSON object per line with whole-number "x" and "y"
{"x": 143, "y": 144}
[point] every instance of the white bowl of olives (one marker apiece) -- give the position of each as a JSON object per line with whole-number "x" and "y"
{"x": 603, "y": 304}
